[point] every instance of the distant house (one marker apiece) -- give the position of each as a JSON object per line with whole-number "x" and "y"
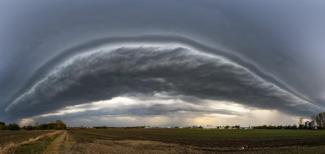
{"x": 311, "y": 124}
{"x": 249, "y": 127}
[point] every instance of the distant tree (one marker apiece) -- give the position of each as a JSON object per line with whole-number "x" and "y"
{"x": 29, "y": 127}
{"x": 100, "y": 127}
{"x": 292, "y": 127}
{"x": 13, "y": 127}
{"x": 43, "y": 126}
{"x": 260, "y": 127}
{"x": 276, "y": 127}
{"x": 60, "y": 125}
{"x": 2, "y": 125}
{"x": 320, "y": 119}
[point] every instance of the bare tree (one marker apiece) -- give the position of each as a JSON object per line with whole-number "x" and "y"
{"x": 320, "y": 119}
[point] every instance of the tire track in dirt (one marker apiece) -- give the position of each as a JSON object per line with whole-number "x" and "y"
{"x": 56, "y": 145}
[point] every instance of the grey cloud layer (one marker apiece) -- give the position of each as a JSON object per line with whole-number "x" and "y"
{"x": 178, "y": 69}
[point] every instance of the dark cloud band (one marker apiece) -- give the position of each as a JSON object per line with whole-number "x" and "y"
{"x": 104, "y": 72}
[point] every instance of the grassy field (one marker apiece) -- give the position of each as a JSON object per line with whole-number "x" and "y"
{"x": 36, "y": 147}
{"x": 138, "y": 140}
{"x": 25, "y": 141}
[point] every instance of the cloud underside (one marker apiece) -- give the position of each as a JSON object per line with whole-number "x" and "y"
{"x": 161, "y": 110}
{"x": 105, "y": 73}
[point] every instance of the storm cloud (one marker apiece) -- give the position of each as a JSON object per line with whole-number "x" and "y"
{"x": 262, "y": 55}
{"x": 130, "y": 68}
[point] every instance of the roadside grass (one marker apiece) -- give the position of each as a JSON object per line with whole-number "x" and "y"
{"x": 37, "y": 147}
{"x": 7, "y": 137}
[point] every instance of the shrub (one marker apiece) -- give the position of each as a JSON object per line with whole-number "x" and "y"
{"x": 13, "y": 127}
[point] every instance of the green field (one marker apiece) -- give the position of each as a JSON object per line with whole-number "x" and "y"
{"x": 159, "y": 140}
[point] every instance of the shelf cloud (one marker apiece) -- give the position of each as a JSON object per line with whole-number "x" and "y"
{"x": 172, "y": 60}
{"x": 114, "y": 70}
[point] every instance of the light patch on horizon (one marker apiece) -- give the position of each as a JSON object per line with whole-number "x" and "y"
{"x": 26, "y": 122}
{"x": 131, "y": 102}
{"x": 163, "y": 111}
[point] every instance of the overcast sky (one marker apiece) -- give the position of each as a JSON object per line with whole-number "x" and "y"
{"x": 161, "y": 63}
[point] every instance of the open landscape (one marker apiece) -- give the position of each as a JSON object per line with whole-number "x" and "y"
{"x": 163, "y": 140}
{"x": 162, "y": 76}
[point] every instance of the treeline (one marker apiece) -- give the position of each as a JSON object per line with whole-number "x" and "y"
{"x": 12, "y": 126}
{"x": 276, "y": 127}
{"x": 286, "y": 127}
{"x": 57, "y": 125}
{"x": 106, "y": 127}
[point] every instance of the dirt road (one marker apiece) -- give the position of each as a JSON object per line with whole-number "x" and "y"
{"x": 56, "y": 145}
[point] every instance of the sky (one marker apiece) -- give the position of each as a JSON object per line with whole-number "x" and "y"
{"x": 161, "y": 63}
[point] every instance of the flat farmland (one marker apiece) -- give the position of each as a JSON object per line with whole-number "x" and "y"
{"x": 204, "y": 140}
{"x": 160, "y": 141}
